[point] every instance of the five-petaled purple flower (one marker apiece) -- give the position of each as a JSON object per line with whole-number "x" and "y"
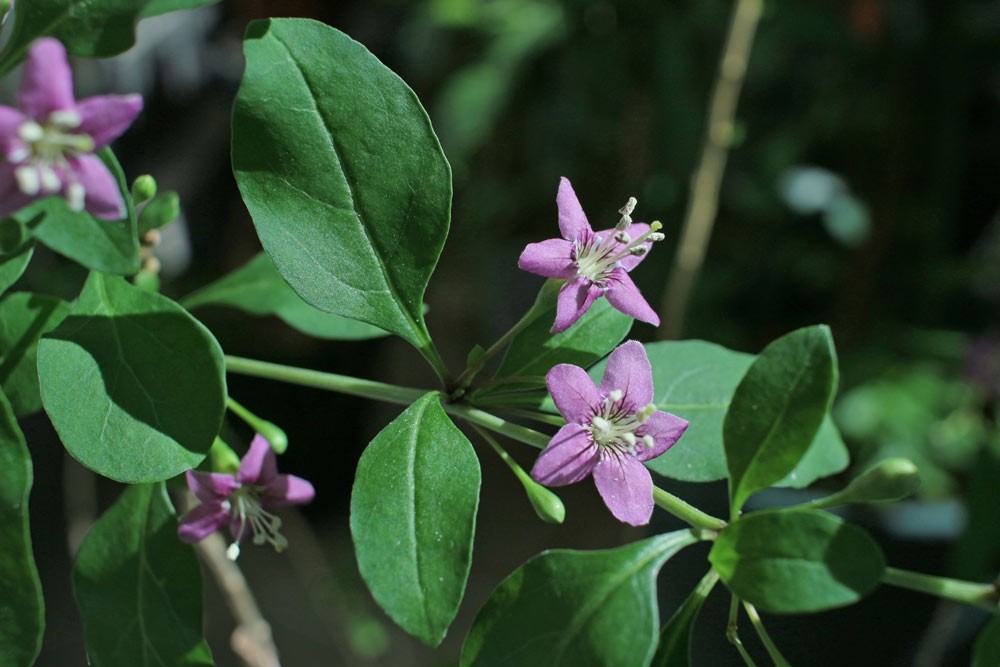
{"x": 48, "y": 144}
{"x": 241, "y": 500}
{"x": 594, "y": 264}
{"x": 610, "y": 431}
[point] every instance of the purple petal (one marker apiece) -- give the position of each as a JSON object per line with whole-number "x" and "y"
{"x": 202, "y": 521}
{"x": 47, "y": 82}
{"x": 665, "y": 429}
{"x": 575, "y": 297}
{"x": 552, "y": 258}
{"x": 570, "y": 457}
{"x": 102, "y": 198}
{"x": 572, "y": 220}
{"x": 286, "y": 490}
{"x": 106, "y": 117}
{"x": 626, "y": 297}
{"x": 629, "y": 370}
{"x": 259, "y": 466}
{"x": 10, "y": 122}
{"x": 635, "y": 231}
{"x": 574, "y": 393}
{"x": 626, "y": 487}
{"x": 211, "y": 487}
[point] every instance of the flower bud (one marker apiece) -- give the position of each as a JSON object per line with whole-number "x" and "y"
{"x": 888, "y": 481}
{"x": 143, "y": 189}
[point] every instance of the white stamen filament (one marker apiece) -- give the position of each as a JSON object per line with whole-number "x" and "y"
{"x": 596, "y": 259}
{"x": 614, "y": 427}
{"x": 248, "y": 512}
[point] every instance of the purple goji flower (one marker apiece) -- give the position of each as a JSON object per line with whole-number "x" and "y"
{"x": 594, "y": 264}
{"x": 48, "y": 144}
{"x": 610, "y": 431}
{"x": 242, "y": 500}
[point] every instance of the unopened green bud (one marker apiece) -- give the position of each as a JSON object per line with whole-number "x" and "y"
{"x": 222, "y": 458}
{"x": 273, "y": 434}
{"x": 269, "y": 430}
{"x": 143, "y": 189}
{"x": 546, "y": 504}
{"x": 888, "y": 481}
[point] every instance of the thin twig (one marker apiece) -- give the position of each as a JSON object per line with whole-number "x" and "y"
{"x": 704, "y": 201}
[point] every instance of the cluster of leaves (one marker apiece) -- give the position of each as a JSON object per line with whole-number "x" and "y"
{"x": 350, "y": 193}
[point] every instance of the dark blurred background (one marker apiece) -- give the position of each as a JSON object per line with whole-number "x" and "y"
{"x": 861, "y": 191}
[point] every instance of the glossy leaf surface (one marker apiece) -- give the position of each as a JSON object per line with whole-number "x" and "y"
{"x": 133, "y": 384}
{"x": 258, "y": 288}
{"x": 138, "y": 587}
{"x": 342, "y": 174}
{"x": 413, "y": 518}
{"x": 777, "y": 409}
{"x": 796, "y": 561}
{"x": 575, "y": 608}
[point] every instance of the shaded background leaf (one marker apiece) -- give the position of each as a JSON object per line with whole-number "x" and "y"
{"x": 138, "y": 587}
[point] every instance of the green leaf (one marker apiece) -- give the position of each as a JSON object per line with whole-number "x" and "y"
{"x": 133, "y": 384}
{"x": 24, "y": 318}
{"x": 413, "y": 517}
{"x": 138, "y": 587}
{"x": 674, "y": 649}
{"x": 535, "y": 351}
{"x": 22, "y": 617}
{"x": 796, "y": 561}
{"x": 777, "y": 409}
{"x": 108, "y": 246}
{"x": 696, "y": 380}
{"x": 258, "y": 288}
{"x": 575, "y": 608}
{"x": 986, "y": 650}
{"x": 164, "y": 6}
{"x": 90, "y": 28}
{"x": 825, "y": 456}
{"x": 16, "y": 249}
{"x": 342, "y": 174}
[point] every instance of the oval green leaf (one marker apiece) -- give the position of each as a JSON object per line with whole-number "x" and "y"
{"x": 24, "y": 318}
{"x": 569, "y": 608}
{"x": 139, "y": 588}
{"x": 156, "y": 7}
{"x": 108, "y": 246}
{"x": 133, "y": 384}
{"x": 777, "y": 410}
{"x": 342, "y": 173}
{"x": 413, "y": 518}
{"x": 258, "y": 288}
{"x": 796, "y": 561}
{"x": 22, "y": 617}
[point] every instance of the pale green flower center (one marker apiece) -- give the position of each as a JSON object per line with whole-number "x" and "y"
{"x": 614, "y": 428}
{"x": 48, "y": 145}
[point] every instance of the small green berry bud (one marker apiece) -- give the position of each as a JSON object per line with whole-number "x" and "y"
{"x": 143, "y": 189}
{"x": 888, "y": 481}
{"x": 222, "y": 458}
